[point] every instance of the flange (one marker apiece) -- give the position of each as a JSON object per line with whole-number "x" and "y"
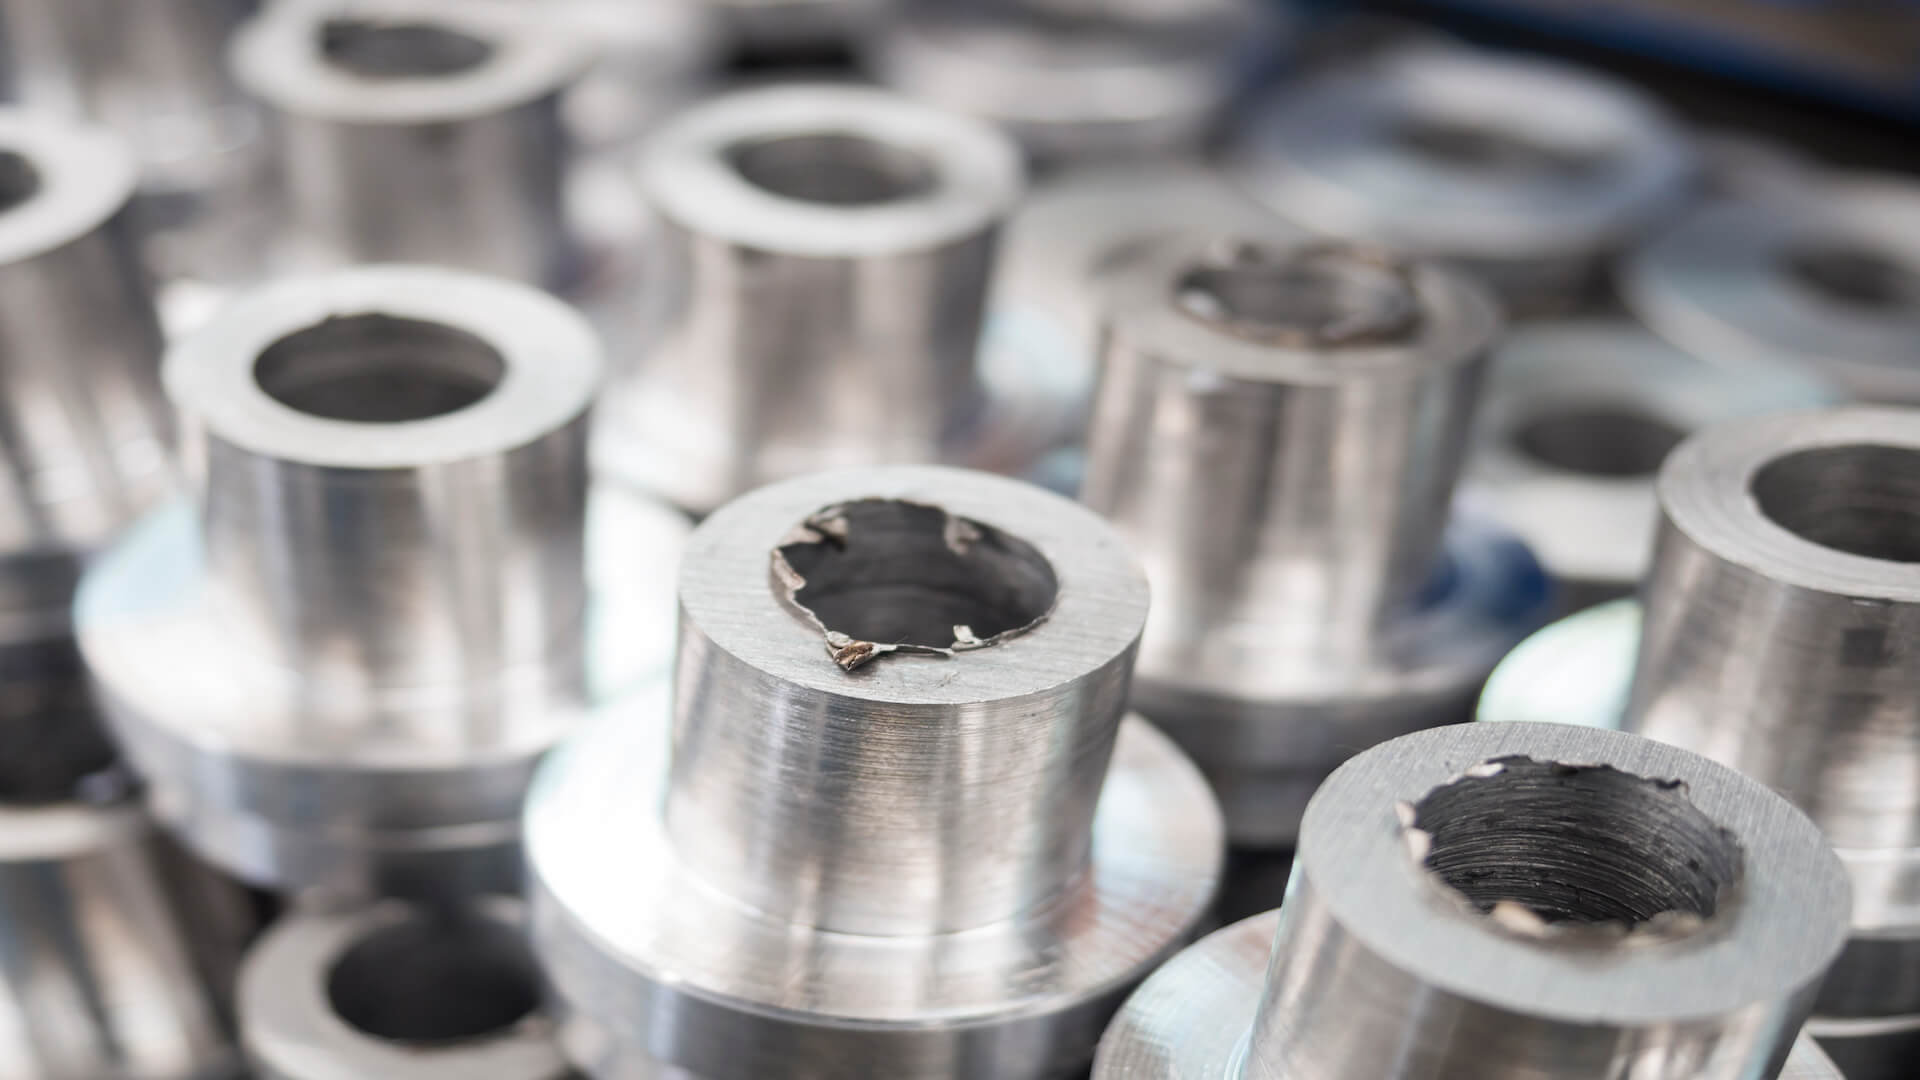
{"x": 1524, "y": 899}
{"x": 950, "y": 861}
{"x": 395, "y": 558}
{"x": 1527, "y": 172}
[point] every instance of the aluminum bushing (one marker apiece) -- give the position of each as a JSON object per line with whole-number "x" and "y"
{"x": 1826, "y": 284}
{"x": 120, "y": 951}
{"x": 890, "y": 818}
{"x": 824, "y": 258}
{"x": 337, "y": 665}
{"x": 1514, "y": 900}
{"x": 398, "y": 992}
{"x": 1574, "y": 424}
{"x": 1277, "y": 433}
{"x": 1078, "y": 86}
{"x": 1529, "y": 173}
{"x": 418, "y": 130}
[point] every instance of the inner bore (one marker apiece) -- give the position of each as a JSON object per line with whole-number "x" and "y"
{"x": 1579, "y": 844}
{"x": 1302, "y": 298}
{"x": 1614, "y": 442}
{"x": 382, "y": 49}
{"x": 19, "y": 180}
{"x": 892, "y": 572}
{"x": 834, "y": 170}
{"x": 56, "y": 747}
{"x": 1861, "y": 500}
{"x": 435, "y": 979}
{"x": 379, "y": 369}
{"x": 1855, "y": 276}
{"x": 1460, "y": 144}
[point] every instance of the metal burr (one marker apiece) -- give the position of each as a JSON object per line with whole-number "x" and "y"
{"x": 1527, "y": 172}
{"x": 418, "y": 130}
{"x": 1824, "y": 282}
{"x": 890, "y": 818}
{"x": 1575, "y": 421}
{"x": 825, "y": 258}
{"x": 398, "y": 992}
{"x": 1514, "y": 900}
{"x": 1277, "y": 433}
{"x": 337, "y": 666}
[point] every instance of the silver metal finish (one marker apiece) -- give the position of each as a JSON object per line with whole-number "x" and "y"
{"x": 1576, "y": 420}
{"x": 398, "y": 992}
{"x": 1277, "y": 433}
{"x": 1782, "y": 609}
{"x": 1529, "y": 173}
{"x": 1077, "y": 86}
{"x": 826, "y": 255}
{"x": 394, "y": 558}
{"x": 1826, "y": 284}
{"x": 418, "y": 130}
{"x": 1514, "y": 900}
{"x": 116, "y": 952}
{"x": 949, "y": 862}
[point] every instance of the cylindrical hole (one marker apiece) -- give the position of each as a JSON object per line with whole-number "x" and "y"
{"x": 1855, "y": 276}
{"x": 1611, "y": 442}
{"x": 1307, "y": 297}
{"x": 379, "y": 369}
{"x": 435, "y": 979}
{"x": 1458, "y": 143}
{"x": 1862, "y": 500}
{"x": 1580, "y": 844}
{"x": 381, "y": 49}
{"x": 19, "y": 180}
{"x": 894, "y": 572}
{"x": 835, "y": 170}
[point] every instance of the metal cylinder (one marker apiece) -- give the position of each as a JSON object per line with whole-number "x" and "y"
{"x": 890, "y": 811}
{"x": 1277, "y": 433}
{"x": 1529, "y": 173}
{"x": 1781, "y": 609}
{"x": 1514, "y": 900}
{"x": 418, "y": 130}
{"x": 1825, "y": 283}
{"x": 1576, "y": 419}
{"x": 117, "y": 953}
{"x": 393, "y": 552}
{"x": 400, "y": 992}
{"x": 826, "y": 250}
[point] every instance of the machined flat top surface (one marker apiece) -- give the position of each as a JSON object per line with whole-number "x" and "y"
{"x": 81, "y": 176}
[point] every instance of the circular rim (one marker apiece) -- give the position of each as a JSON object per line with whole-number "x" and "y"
{"x": 1706, "y": 493}
{"x": 87, "y": 174}
{"x": 1458, "y": 321}
{"x": 552, "y": 356}
{"x": 273, "y": 58}
{"x": 1320, "y": 154}
{"x": 685, "y": 173}
{"x": 292, "y": 1032}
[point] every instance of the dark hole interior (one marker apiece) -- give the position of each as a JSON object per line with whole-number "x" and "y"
{"x": 1319, "y": 296}
{"x": 379, "y": 369}
{"x": 382, "y": 49}
{"x": 19, "y": 180}
{"x": 1611, "y": 442}
{"x": 1578, "y": 844}
{"x": 835, "y": 170}
{"x": 906, "y": 573}
{"x": 1861, "y": 500}
{"x": 1856, "y": 277}
{"x": 1460, "y": 144}
{"x": 55, "y": 745}
{"x": 434, "y": 979}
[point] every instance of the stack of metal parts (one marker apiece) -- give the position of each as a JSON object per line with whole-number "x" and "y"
{"x": 371, "y": 706}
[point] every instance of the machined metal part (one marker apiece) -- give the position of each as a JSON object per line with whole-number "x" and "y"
{"x": 418, "y": 130}
{"x": 117, "y": 952}
{"x": 778, "y": 29}
{"x": 1514, "y": 900}
{"x": 1574, "y": 424}
{"x": 1782, "y": 610}
{"x": 1826, "y": 284}
{"x": 1529, "y": 173}
{"x": 950, "y": 861}
{"x": 1277, "y": 433}
{"x": 400, "y": 992}
{"x": 391, "y": 593}
{"x": 825, "y": 251}
{"x": 1074, "y": 86}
